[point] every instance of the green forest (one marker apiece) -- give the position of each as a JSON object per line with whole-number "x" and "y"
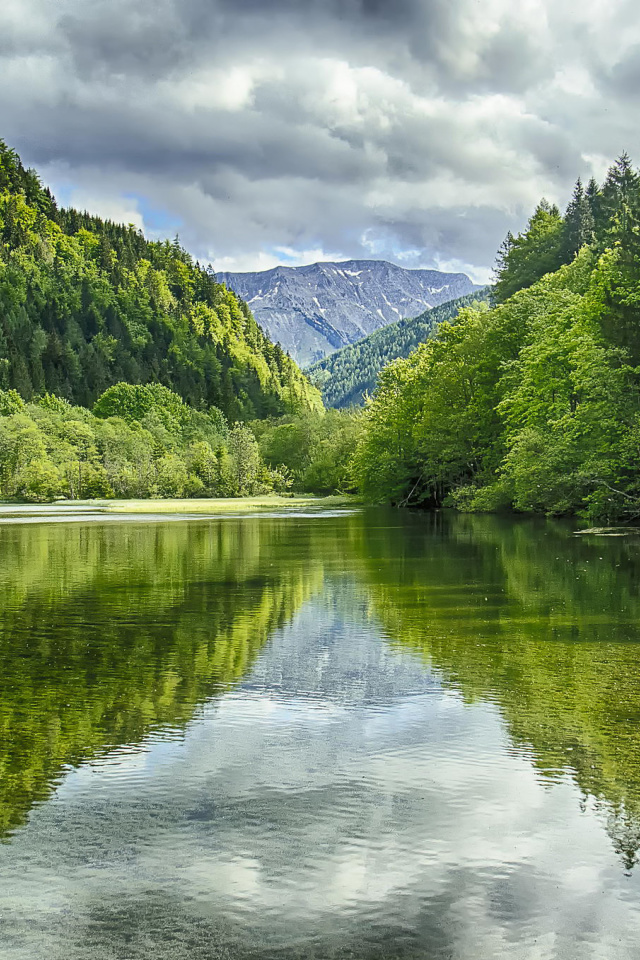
{"x": 126, "y": 370}
{"x": 532, "y": 405}
{"x": 86, "y": 303}
{"x": 138, "y": 441}
{"x": 145, "y": 441}
{"x": 348, "y": 375}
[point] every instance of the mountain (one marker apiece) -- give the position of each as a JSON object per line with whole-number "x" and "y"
{"x": 86, "y": 303}
{"x": 317, "y": 309}
{"x": 345, "y": 376}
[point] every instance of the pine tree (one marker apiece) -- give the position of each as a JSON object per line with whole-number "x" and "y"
{"x": 538, "y": 250}
{"x": 593, "y": 196}
{"x": 114, "y": 306}
{"x": 578, "y": 223}
{"x": 620, "y": 195}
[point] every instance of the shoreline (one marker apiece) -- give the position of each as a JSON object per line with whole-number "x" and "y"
{"x": 15, "y": 512}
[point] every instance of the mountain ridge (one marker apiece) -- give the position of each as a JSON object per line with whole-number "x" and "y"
{"x": 315, "y": 309}
{"x": 86, "y": 303}
{"x": 346, "y": 375}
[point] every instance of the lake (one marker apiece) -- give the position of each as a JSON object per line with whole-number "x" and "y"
{"x": 339, "y": 733}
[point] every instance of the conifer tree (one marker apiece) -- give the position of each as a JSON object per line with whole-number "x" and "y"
{"x": 538, "y": 250}
{"x": 578, "y": 223}
{"x": 86, "y": 302}
{"x": 620, "y": 194}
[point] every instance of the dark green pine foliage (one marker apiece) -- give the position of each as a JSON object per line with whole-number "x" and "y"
{"x": 598, "y": 216}
{"x": 351, "y": 373}
{"x": 594, "y": 197}
{"x": 579, "y": 222}
{"x": 86, "y": 303}
{"x": 620, "y": 198}
{"x": 620, "y": 231}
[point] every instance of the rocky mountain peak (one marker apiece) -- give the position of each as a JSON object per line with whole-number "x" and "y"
{"x": 316, "y": 309}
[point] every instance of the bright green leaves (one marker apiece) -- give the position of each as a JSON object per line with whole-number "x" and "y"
{"x": 528, "y": 405}
{"x": 525, "y": 258}
{"x": 536, "y": 404}
{"x": 432, "y": 424}
{"x": 347, "y": 376}
{"x": 141, "y": 441}
{"x": 314, "y": 450}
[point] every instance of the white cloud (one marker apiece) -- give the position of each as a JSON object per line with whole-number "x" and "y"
{"x": 120, "y": 209}
{"x": 279, "y": 256}
{"x": 435, "y": 129}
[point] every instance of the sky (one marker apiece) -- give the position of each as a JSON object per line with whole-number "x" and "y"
{"x": 280, "y": 131}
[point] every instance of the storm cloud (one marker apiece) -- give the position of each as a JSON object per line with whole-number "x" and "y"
{"x": 265, "y": 132}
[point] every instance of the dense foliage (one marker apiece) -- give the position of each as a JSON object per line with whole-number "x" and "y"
{"x": 534, "y": 404}
{"x": 351, "y": 373}
{"x": 139, "y": 441}
{"x": 87, "y": 303}
{"x": 313, "y": 450}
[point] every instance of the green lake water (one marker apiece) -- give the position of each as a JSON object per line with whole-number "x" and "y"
{"x": 317, "y": 734}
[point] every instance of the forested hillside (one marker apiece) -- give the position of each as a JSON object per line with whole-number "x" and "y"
{"x": 138, "y": 441}
{"x": 346, "y": 376}
{"x": 87, "y": 303}
{"x": 534, "y": 404}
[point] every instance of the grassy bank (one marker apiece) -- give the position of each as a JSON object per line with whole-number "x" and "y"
{"x": 201, "y": 507}
{"x": 217, "y": 506}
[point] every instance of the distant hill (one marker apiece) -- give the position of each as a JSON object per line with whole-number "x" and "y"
{"x": 348, "y": 374}
{"x": 315, "y": 310}
{"x": 86, "y": 303}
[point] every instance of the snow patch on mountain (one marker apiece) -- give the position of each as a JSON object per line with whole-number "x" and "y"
{"x": 316, "y": 309}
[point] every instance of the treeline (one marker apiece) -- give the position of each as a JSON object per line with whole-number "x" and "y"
{"x": 313, "y": 451}
{"x": 345, "y": 377}
{"x": 535, "y": 404}
{"x": 87, "y": 303}
{"x": 139, "y": 441}
{"x": 144, "y": 441}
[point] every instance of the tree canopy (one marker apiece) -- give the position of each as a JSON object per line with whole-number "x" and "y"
{"x": 86, "y": 303}
{"x": 347, "y": 376}
{"x": 534, "y": 404}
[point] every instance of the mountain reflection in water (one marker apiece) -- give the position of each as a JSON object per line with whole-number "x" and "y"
{"x": 372, "y": 735}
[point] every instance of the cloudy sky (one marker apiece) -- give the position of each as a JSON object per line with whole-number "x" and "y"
{"x": 284, "y": 131}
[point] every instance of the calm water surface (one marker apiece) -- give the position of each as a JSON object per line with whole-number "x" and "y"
{"x": 350, "y": 735}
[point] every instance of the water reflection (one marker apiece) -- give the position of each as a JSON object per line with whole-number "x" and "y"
{"x": 369, "y": 736}
{"x": 546, "y": 624}
{"x": 108, "y": 632}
